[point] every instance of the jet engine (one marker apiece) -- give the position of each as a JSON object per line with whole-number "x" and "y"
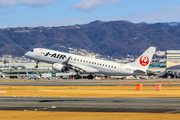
{"x": 59, "y": 67}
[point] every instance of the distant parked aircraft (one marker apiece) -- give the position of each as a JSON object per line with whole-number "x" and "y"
{"x": 34, "y": 76}
{"x": 2, "y": 75}
{"x": 170, "y": 72}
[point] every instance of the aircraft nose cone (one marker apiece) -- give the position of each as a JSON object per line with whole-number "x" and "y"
{"x": 26, "y": 54}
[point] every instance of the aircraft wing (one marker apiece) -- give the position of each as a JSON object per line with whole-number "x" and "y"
{"x": 83, "y": 68}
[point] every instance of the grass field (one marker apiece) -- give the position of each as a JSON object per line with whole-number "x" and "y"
{"x": 38, "y": 115}
{"x": 89, "y": 91}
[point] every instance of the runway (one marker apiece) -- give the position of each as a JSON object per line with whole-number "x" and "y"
{"x": 85, "y": 82}
{"x": 146, "y": 105}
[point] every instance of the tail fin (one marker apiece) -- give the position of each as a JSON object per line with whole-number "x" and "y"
{"x": 142, "y": 63}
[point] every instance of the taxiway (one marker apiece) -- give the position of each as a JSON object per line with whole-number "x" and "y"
{"x": 146, "y": 105}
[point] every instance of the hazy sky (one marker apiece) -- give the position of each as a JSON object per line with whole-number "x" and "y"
{"x": 34, "y": 13}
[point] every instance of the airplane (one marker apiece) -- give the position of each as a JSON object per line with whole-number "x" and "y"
{"x": 35, "y": 76}
{"x": 62, "y": 61}
{"x": 2, "y": 75}
{"x": 170, "y": 72}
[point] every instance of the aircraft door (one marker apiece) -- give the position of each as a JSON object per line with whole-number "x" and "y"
{"x": 40, "y": 52}
{"x": 119, "y": 68}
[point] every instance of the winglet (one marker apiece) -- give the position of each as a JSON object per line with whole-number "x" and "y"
{"x": 66, "y": 62}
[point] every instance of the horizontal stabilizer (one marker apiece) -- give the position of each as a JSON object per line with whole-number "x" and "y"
{"x": 140, "y": 71}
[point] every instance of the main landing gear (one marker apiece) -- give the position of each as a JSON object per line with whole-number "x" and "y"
{"x": 90, "y": 76}
{"x": 77, "y": 76}
{"x": 36, "y": 66}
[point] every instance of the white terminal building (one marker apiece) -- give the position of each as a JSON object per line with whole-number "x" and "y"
{"x": 17, "y": 70}
{"x": 173, "y": 58}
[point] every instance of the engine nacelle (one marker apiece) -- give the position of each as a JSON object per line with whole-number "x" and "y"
{"x": 58, "y": 67}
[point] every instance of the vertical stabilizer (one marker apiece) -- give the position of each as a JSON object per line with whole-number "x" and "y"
{"x": 142, "y": 63}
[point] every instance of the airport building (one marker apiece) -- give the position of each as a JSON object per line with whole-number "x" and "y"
{"x": 173, "y": 58}
{"x": 16, "y": 70}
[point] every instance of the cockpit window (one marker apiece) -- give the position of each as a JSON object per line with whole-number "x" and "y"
{"x": 32, "y": 50}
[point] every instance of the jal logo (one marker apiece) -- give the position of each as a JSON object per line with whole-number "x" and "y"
{"x": 144, "y": 60}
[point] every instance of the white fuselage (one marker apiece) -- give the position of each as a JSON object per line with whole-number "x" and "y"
{"x": 100, "y": 66}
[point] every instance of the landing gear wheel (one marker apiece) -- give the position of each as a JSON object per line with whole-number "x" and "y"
{"x": 36, "y": 66}
{"x": 77, "y": 76}
{"x": 90, "y": 76}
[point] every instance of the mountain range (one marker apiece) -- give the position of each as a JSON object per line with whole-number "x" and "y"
{"x": 114, "y": 38}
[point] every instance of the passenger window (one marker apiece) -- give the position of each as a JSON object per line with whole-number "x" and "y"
{"x": 103, "y": 65}
{"x": 89, "y": 62}
{"x": 74, "y": 59}
{"x": 92, "y": 62}
{"x": 81, "y": 60}
{"x": 106, "y": 65}
{"x": 114, "y": 67}
{"x": 97, "y": 63}
{"x": 71, "y": 58}
{"x": 111, "y": 66}
{"x": 32, "y": 50}
{"x": 86, "y": 61}
{"x": 77, "y": 59}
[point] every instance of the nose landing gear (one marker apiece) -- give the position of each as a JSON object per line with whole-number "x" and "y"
{"x": 36, "y": 66}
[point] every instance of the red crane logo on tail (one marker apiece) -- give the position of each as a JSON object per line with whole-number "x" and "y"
{"x": 144, "y": 60}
